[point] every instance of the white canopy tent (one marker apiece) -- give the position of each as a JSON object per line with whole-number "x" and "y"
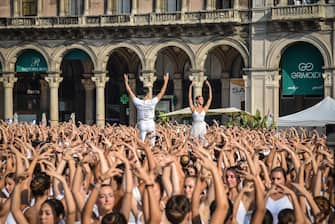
{"x": 318, "y": 115}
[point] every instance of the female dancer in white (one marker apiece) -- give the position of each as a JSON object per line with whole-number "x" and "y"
{"x": 146, "y": 108}
{"x": 198, "y": 129}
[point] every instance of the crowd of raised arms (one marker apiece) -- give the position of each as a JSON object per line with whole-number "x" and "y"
{"x": 85, "y": 174}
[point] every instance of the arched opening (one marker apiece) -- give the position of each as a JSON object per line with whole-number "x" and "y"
{"x": 302, "y": 84}
{"x": 223, "y": 68}
{"x": 30, "y": 90}
{"x": 177, "y": 63}
{"x": 77, "y": 94}
{"x": 122, "y": 60}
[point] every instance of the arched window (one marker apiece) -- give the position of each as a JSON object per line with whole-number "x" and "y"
{"x": 29, "y": 7}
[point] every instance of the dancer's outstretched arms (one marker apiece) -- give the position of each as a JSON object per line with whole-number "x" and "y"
{"x": 130, "y": 92}
{"x": 209, "y": 101}
{"x": 190, "y": 99}
{"x": 162, "y": 92}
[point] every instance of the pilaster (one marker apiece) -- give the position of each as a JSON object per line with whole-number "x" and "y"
{"x": 134, "y": 7}
{"x": 210, "y": 5}
{"x": 100, "y": 80}
{"x": 86, "y": 8}
{"x": 272, "y": 85}
{"x": 247, "y": 90}
{"x": 39, "y": 7}
{"x": 61, "y": 7}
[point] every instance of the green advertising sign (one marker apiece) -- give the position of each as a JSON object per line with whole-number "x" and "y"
{"x": 31, "y": 61}
{"x": 302, "y": 70}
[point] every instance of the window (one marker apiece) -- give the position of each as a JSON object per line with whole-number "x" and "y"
{"x": 123, "y": 6}
{"x": 170, "y": 5}
{"x": 76, "y": 7}
{"x": 29, "y": 7}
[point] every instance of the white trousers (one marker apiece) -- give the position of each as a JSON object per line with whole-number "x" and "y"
{"x": 147, "y": 127}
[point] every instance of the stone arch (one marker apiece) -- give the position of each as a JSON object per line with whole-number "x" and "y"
{"x": 152, "y": 52}
{"x": 12, "y": 55}
{"x": 107, "y": 51}
{"x": 275, "y": 53}
{"x": 212, "y": 43}
{"x": 59, "y": 54}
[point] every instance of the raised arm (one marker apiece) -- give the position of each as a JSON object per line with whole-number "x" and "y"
{"x": 190, "y": 98}
{"x": 166, "y": 81}
{"x": 209, "y": 101}
{"x": 130, "y": 92}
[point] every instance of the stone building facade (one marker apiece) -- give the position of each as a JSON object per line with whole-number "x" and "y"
{"x": 69, "y": 56}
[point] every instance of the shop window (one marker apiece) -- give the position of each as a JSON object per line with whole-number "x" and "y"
{"x": 29, "y": 7}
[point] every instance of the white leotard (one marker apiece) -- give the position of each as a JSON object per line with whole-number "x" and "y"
{"x": 275, "y": 206}
{"x": 198, "y": 129}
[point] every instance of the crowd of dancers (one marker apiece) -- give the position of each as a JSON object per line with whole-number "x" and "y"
{"x": 164, "y": 173}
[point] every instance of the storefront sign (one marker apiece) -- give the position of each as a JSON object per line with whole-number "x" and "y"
{"x": 237, "y": 94}
{"x": 31, "y": 61}
{"x": 302, "y": 70}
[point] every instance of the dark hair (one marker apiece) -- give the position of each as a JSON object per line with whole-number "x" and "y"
{"x": 286, "y": 216}
{"x": 212, "y": 208}
{"x": 177, "y": 208}
{"x": 119, "y": 178}
{"x": 280, "y": 170}
{"x": 11, "y": 175}
{"x": 268, "y": 219}
{"x": 114, "y": 218}
{"x": 324, "y": 206}
{"x": 234, "y": 170}
{"x": 57, "y": 208}
{"x": 39, "y": 184}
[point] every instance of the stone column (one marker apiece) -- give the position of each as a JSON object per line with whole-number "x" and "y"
{"x": 8, "y": 81}
{"x": 148, "y": 78}
{"x": 198, "y": 77}
{"x": 272, "y": 93}
{"x": 100, "y": 80}
{"x": 132, "y": 108}
{"x": 1, "y": 101}
{"x": 86, "y": 8}
{"x": 158, "y": 8}
{"x": 327, "y": 79}
{"x": 54, "y": 80}
{"x": 44, "y": 96}
{"x": 225, "y": 90}
{"x": 236, "y": 4}
{"x": 184, "y": 6}
{"x": 210, "y": 5}
{"x": 89, "y": 86}
{"x": 178, "y": 90}
{"x": 134, "y": 7}
{"x": 247, "y": 90}
{"x": 61, "y": 7}
{"x": 39, "y": 7}
{"x": 16, "y": 8}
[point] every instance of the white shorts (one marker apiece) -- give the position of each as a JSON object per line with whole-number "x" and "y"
{"x": 146, "y": 127}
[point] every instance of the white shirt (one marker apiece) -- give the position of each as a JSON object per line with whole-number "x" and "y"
{"x": 145, "y": 108}
{"x": 275, "y": 206}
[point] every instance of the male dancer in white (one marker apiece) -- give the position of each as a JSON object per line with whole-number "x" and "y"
{"x": 146, "y": 108}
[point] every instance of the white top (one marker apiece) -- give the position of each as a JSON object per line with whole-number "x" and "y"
{"x": 275, "y": 206}
{"x": 198, "y": 117}
{"x": 145, "y": 108}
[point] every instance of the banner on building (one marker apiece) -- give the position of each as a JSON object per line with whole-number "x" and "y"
{"x": 31, "y": 61}
{"x": 237, "y": 96}
{"x": 302, "y": 70}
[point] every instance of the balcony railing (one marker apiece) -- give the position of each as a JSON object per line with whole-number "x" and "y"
{"x": 298, "y": 11}
{"x": 226, "y": 15}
